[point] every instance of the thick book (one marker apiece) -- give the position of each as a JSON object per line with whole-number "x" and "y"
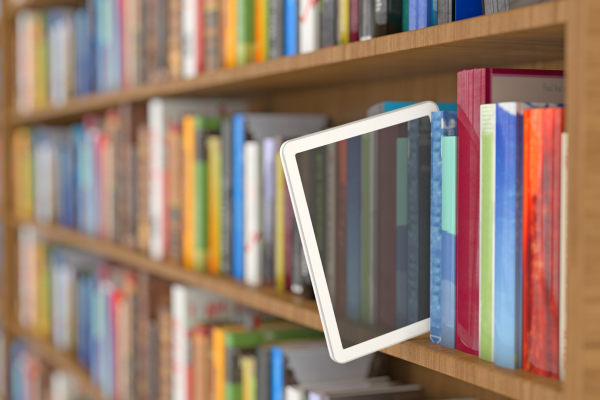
{"x": 477, "y": 87}
{"x": 308, "y": 26}
{"x": 541, "y": 237}
{"x": 256, "y": 126}
{"x": 443, "y": 124}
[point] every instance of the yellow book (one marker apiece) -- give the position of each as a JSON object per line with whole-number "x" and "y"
{"x": 44, "y": 318}
{"x": 229, "y": 19}
{"x": 248, "y": 377}
{"x": 41, "y": 60}
{"x": 188, "y": 132}
{"x": 218, "y": 362}
{"x": 343, "y": 21}
{"x": 213, "y": 155}
{"x": 279, "y": 234}
{"x": 22, "y": 172}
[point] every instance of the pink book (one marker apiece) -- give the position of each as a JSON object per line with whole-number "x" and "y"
{"x": 474, "y": 88}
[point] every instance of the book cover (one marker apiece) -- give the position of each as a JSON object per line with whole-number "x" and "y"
{"x": 353, "y": 230}
{"x": 214, "y": 211}
{"x": 308, "y": 26}
{"x": 541, "y": 224}
{"x": 443, "y": 123}
{"x": 477, "y": 87}
{"x": 487, "y": 197}
{"x": 290, "y": 27}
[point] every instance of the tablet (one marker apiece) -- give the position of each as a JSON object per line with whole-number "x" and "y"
{"x": 361, "y": 193}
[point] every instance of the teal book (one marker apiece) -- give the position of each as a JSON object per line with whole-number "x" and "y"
{"x": 448, "y": 289}
{"x": 486, "y": 231}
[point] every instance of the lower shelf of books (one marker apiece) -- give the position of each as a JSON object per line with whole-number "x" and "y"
{"x": 516, "y": 384}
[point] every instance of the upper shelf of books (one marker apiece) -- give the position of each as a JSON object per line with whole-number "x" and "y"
{"x": 522, "y": 36}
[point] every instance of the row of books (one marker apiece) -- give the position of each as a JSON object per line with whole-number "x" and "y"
{"x": 31, "y": 378}
{"x": 144, "y": 338}
{"x": 109, "y": 45}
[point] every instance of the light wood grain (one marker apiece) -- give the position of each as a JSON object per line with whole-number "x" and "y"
{"x": 420, "y": 351}
{"x": 525, "y": 35}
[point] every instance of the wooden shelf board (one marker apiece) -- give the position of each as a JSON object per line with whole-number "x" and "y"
{"x": 47, "y": 352}
{"x": 516, "y": 384}
{"x": 524, "y": 35}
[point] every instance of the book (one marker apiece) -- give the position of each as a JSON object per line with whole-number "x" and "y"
{"x": 328, "y": 23}
{"x": 368, "y": 238}
{"x": 477, "y": 87}
{"x": 244, "y": 31}
{"x": 564, "y": 187}
{"x": 257, "y": 126}
{"x": 248, "y": 377}
{"x": 541, "y": 226}
{"x": 354, "y": 21}
{"x": 215, "y": 191}
{"x": 22, "y": 173}
{"x": 276, "y": 30}
{"x": 226, "y": 181}
{"x": 330, "y": 224}
{"x": 366, "y": 28}
{"x": 279, "y": 245}
{"x": 343, "y": 22}
{"x": 212, "y": 34}
{"x": 192, "y": 24}
{"x": 269, "y": 177}
{"x": 261, "y": 30}
{"x": 229, "y": 33}
{"x": 309, "y": 26}
{"x": 443, "y": 123}
{"x": 290, "y": 27}
{"x": 253, "y": 245}
{"x": 467, "y": 9}
{"x": 445, "y": 11}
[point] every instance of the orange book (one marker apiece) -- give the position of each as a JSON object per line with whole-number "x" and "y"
{"x": 218, "y": 363}
{"x": 213, "y": 156}
{"x": 22, "y": 172}
{"x": 229, "y": 32}
{"x": 200, "y": 374}
{"x": 261, "y": 33}
{"x": 188, "y": 141}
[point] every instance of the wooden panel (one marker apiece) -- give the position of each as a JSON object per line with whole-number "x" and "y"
{"x": 515, "y": 384}
{"x": 43, "y": 349}
{"x": 525, "y": 35}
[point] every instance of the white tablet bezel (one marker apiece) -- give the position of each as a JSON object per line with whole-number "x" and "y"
{"x": 288, "y": 151}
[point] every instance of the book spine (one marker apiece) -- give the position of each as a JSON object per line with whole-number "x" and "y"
{"x": 341, "y": 203}
{"x": 190, "y": 38}
{"x": 201, "y": 200}
{"x": 353, "y": 230}
{"x": 261, "y": 30}
{"x": 156, "y": 160}
{"x": 354, "y": 20}
{"x": 381, "y": 17}
{"x": 252, "y": 228}
{"x": 276, "y": 31}
{"x": 328, "y": 23}
{"x": 212, "y": 35}
{"x": 174, "y": 192}
{"x": 213, "y": 146}
{"x": 448, "y": 290}
{"x": 290, "y": 226}
{"x": 308, "y": 26}
{"x": 405, "y": 16}
{"x": 229, "y": 32}
{"x": 343, "y": 21}
{"x": 290, "y": 26}
{"x": 366, "y": 30}
{"x": 423, "y": 16}
{"x": 268, "y": 203}
{"x": 180, "y": 342}
{"x": 435, "y": 230}
{"x": 277, "y": 373}
{"x": 365, "y": 232}
{"x": 401, "y": 206}
{"x": 432, "y": 12}
{"x": 226, "y": 197}
{"x": 468, "y": 9}
{"x": 237, "y": 196}
{"x": 508, "y": 228}
{"x": 245, "y": 32}
{"x": 279, "y": 250}
{"x": 564, "y": 186}
{"x": 472, "y": 92}
{"x": 413, "y": 14}
{"x": 486, "y": 231}
{"x": 189, "y": 189}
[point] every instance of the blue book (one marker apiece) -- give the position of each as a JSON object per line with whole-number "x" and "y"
{"x": 468, "y": 8}
{"x": 68, "y": 182}
{"x": 433, "y": 8}
{"x": 277, "y": 373}
{"x": 94, "y": 353}
{"x": 423, "y": 13}
{"x": 413, "y": 13}
{"x": 353, "y": 230}
{"x": 443, "y": 123}
{"x": 448, "y": 287}
{"x": 91, "y": 38}
{"x": 290, "y": 27}
{"x": 17, "y": 378}
{"x": 401, "y": 230}
{"x": 100, "y": 44}
{"x": 77, "y": 137}
{"x": 83, "y": 320}
{"x": 238, "y": 136}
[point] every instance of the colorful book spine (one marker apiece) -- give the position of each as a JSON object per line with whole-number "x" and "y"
{"x": 245, "y": 32}
{"x": 212, "y": 34}
{"x": 486, "y": 231}
{"x": 353, "y": 230}
{"x": 290, "y": 26}
{"x": 564, "y": 187}
{"x": 229, "y": 32}
{"x": 468, "y": 9}
{"x": 261, "y": 30}
{"x": 343, "y": 22}
{"x": 188, "y": 132}
{"x": 252, "y": 213}
{"x": 541, "y": 226}
{"x": 214, "y": 211}
{"x": 308, "y": 26}
{"x": 401, "y": 231}
{"x": 354, "y": 23}
{"x": 448, "y": 292}
{"x": 237, "y": 195}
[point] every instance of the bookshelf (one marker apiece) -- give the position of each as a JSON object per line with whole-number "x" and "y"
{"x": 342, "y": 81}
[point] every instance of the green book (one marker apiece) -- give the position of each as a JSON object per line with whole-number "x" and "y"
{"x": 240, "y": 342}
{"x": 405, "y": 15}
{"x": 486, "y": 240}
{"x": 365, "y": 229}
{"x": 245, "y": 32}
{"x": 204, "y": 126}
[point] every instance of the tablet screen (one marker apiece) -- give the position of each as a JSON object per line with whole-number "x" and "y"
{"x": 369, "y": 204}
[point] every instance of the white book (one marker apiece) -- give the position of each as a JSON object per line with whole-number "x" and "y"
{"x": 25, "y": 60}
{"x": 190, "y": 25}
{"x": 28, "y": 290}
{"x": 162, "y": 112}
{"x": 562, "y": 313}
{"x": 308, "y": 26}
{"x": 252, "y": 215}
{"x": 59, "y": 385}
{"x": 44, "y": 158}
{"x": 179, "y": 343}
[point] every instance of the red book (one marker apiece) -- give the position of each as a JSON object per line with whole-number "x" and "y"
{"x": 474, "y": 88}
{"x": 354, "y": 19}
{"x": 340, "y": 258}
{"x": 541, "y": 226}
{"x": 200, "y": 31}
